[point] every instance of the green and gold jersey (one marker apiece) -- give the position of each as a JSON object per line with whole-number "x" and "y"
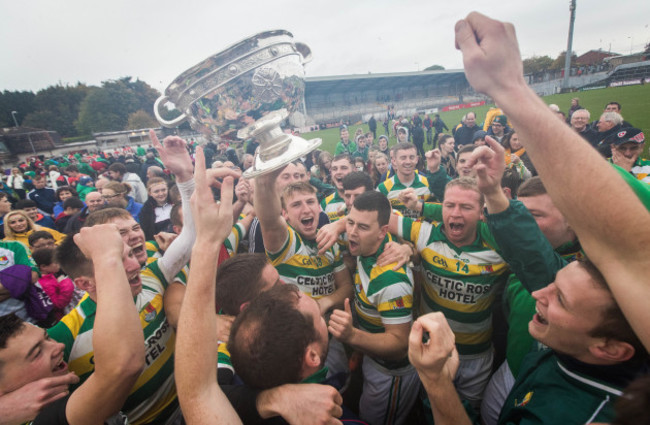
{"x": 225, "y": 371}
{"x": 299, "y": 263}
{"x": 154, "y": 390}
{"x": 641, "y": 170}
{"x": 459, "y": 282}
{"x": 392, "y": 188}
{"x": 232, "y": 242}
{"x": 153, "y": 251}
{"x": 333, "y": 205}
{"x": 383, "y": 296}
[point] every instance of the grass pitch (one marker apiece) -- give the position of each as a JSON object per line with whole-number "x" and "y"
{"x": 635, "y": 101}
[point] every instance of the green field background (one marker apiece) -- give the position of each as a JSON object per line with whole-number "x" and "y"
{"x": 635, "y": 101}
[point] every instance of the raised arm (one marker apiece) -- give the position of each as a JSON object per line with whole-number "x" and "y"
{"x": 117, "y": 324}
{"x": 269, "y": 211}
{"x": 244, "y": 193}
{"x": 438, "y": 177}
{"x": 174, "y": 155}
{"x": 201, "y": 399}
{"x": 614, "y": 234}
{"x": 520, "y": 240}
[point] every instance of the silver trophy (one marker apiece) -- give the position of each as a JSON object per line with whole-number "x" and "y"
{"x": 246, "y": 91}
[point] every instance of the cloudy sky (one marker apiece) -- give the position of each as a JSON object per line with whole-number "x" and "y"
{"x": 45, "y": 42}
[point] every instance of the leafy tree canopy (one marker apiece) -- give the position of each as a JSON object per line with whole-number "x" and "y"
{"x": 141, "y": 119}
{"x": 537, "y": 64}
{"x": 57, "y": 107}
{"x": 107, "y": 108}
{"x": 20, "y": 101}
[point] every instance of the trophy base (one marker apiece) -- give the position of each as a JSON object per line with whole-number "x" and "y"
{"x": 296, "y": 148}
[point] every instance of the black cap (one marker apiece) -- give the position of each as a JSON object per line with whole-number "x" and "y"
{"x": 625, "y": 135}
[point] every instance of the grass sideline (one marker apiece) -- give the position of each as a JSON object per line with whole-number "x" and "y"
{"x": 635, "y": 102}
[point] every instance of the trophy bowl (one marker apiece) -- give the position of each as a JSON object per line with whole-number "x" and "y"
{"x": 246, "y": 91}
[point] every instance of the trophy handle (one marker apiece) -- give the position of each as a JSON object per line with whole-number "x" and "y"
{"x": 170, "y": 124}
{"x": 305, "y": 51}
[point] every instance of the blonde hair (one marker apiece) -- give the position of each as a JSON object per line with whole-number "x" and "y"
{"x": 380, "y": 155}
{"x": 118, "y": 187}
{"x": 467, "y": 183}
{"x": 296, "y": 187}
{"x": 154, "y": 181}
{"x": 9, "y": 233}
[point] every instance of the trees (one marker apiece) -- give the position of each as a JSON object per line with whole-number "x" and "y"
{"x": 558, "y": 63}
{"x": 56, "y": 108}
{"x": 536, "y": 64}
{"x": 80, "y": 109}
{"x": 141, "y": 119}
{"x": 20, "y": 101}
{"x": 435, "y": 68}
{"x": 107, "y": 108}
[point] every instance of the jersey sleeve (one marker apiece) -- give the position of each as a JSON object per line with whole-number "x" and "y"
{"x": 152, "y": 248}
{"x": 524, "y": 247}
{"x": 158, "y": 277}
{"x": 381, "y": 188}
{"x": 232, "y": 242}
{"x": 225, "y": 371}
{"x": 65, "y": 331}
{"x": 412, "y": 230}
{"x": 288, "y": 249}
{"x": 432, "y": 211}
{"x": 437, "y": 183}
{"x": 21, "y": 256}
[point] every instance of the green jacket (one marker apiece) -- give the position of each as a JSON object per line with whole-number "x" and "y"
{"x": 350, "y": 148}
{"x": 549, "y": 388}
{"x": 322, "y": 189}
{"x": 525, "y": 242}
{"x": 553, "y": 390}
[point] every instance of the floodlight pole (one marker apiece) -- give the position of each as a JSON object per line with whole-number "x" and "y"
{"x": 13, "y": 115}
{"x": 567, "y": 58}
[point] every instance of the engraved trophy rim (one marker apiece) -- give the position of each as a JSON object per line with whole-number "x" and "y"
{"x": 188, "y": 78}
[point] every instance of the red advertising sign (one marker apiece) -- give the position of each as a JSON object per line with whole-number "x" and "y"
{"x": 463, "y": 106}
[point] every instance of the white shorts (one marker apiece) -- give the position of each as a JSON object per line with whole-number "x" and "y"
{"x": 387, "y": 398}
{"x": 496, "y": 393}
{"x": 473, "y": 376}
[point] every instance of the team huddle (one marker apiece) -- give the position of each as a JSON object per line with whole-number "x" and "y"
{"x": 490, "y": 285}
